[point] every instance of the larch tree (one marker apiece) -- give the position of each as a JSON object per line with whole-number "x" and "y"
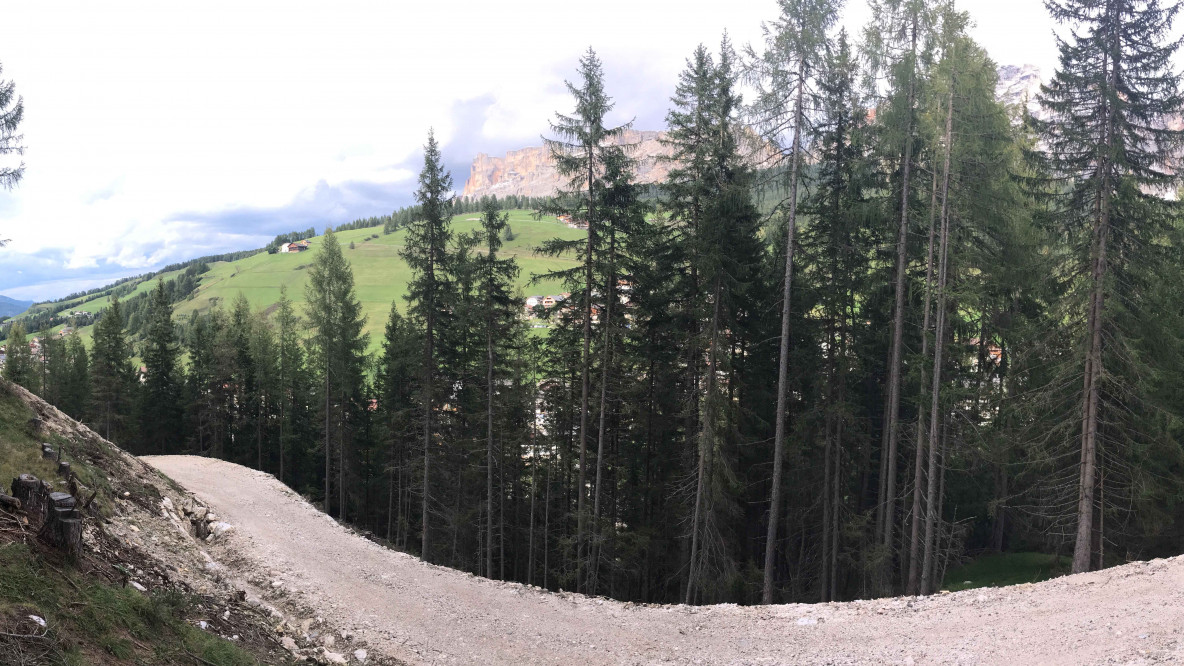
{"x": 335, "y": 317}
{"x": 795, "y": 46}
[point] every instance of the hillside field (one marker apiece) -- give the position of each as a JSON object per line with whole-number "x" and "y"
{"x": 380, "y": 274}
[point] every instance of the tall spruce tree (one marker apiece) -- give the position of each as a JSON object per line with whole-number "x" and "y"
{"x": 160, "y": 399}
{"x": 583, "y": 147}
{"x": 499, "y": 312}
{"x": 111, "y": 373}
{"x": 426, "y": 253}
{"x": 1107, "y": 145}
{"x": 19, "y": 366}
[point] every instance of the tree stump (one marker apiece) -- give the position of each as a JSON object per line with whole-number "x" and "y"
{"x": 33, "y": 496}
{"x": 63, "y": 526}
{"x": 64, "y": 469}
{"x": 47, "y": 452}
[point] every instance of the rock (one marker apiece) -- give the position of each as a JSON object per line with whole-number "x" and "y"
{"x": 167, "y": 504}
{"x": 333, "y": 657}
{"x": 133, "y": 528}
{"x": 138, "y": 586}
{"x": 805, "y": 621}
{"x": 360, "y": 656}
{"x": 289, "y": 644}
{"x": 226, "y": 615}
{"x": 211, "y": 517}
{"x": 39, "y": 620}
{"x": 200, "y": 513}
{"x": 328, "y": 640}
{"x": 203, "y": 624}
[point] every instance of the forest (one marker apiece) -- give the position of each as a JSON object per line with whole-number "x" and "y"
{"x": 875, "y": 323}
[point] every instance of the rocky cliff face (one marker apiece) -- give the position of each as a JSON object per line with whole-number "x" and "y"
{"x": 531, "y": 171}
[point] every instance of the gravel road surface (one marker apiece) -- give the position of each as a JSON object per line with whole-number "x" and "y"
{"x": 425, "y": 614}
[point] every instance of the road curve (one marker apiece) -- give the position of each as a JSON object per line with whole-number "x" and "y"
{"x": 424, "y": 614}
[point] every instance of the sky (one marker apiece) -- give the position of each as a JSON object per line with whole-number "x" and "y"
{"x": 159, "y": 132}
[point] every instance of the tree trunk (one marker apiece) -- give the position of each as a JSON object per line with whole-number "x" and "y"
{"x": 938, "y": 349}
{"x": 1093, "y": 353}
{"x": 489, "y": 443}
{"x": 781, "y": 416}
{"x": 605, "y": 376}
{"x": 918, "y": 471}
{"x": 706, "y": 449}
{"x": 893, "y": 416}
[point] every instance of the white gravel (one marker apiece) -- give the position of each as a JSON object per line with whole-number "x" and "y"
{"x": 425, "y": 614}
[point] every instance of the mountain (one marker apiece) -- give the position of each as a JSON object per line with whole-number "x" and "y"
{"x": 10, "y": 307}
{"x": 531, "y": 171}
{"x": 1019, "y": 83}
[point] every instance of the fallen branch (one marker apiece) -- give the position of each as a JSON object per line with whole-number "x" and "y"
{"x": 207, "y": 663}
{"x": 63, "y": 575}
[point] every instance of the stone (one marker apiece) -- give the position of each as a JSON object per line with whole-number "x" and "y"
{"x": 138, "y": 586}
{"x": 360, "y": 656}
{"x": 289, "y": 644}
{"x": 334, "y": 657}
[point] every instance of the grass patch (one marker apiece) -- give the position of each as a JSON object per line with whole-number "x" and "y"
{"x": 20, "y": 451}
{"x": 999, "y": 569}
{"x": 94, "y": 623}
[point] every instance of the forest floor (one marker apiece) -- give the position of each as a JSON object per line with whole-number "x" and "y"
{"x": 425, "y": 614}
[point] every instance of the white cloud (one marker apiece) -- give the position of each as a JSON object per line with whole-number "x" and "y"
{"x": 141, "y": 113}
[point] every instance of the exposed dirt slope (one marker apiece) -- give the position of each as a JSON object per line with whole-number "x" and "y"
{"x": 421, "y": 613}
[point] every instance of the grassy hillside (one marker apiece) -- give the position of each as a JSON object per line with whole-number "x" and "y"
{"x": 380, "y": 275}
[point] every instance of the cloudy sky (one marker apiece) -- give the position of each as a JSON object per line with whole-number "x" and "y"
{"x": 157, "y": 133}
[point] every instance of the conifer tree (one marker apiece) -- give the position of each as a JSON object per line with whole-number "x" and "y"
{"x": 500, "y": 310}
{"x": 795, "y": 46}
{"x": 426, "y": 253}
{"x": 334, "y": 315}
{"x": 111, "y": 372}
{"x": 160, "y": 400}
{"x": 19, "y": 367}
{"x": 1107, "y": 147}
{"x": 584, "y": 146}
{"x": 396, "y": 387}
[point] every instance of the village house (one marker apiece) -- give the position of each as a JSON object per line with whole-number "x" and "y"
{"x": 293, "y": 248}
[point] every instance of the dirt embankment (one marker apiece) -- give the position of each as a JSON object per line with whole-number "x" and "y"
{"x": 425, "y": 614}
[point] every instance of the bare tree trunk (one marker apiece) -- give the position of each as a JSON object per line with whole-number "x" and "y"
{"x": 610, "y": 296}
{"x": 429, "y": 375}
{"x": 781, "y": 416}
{"x": 488, "y": 447}
{"x": 328, "y": 446}
{"x": 938, "y": 349}
{"x": 894, "y": 364}
{"x": 1093, "y": 357}
{"x": 585, "y": 360}
{"x": 918, "y": 471}
{"x": 706, "y": 449}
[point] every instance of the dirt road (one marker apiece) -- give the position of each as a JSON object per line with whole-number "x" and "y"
{"x": 425, "y": 614}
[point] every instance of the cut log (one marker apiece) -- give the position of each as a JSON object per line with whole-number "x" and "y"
{"x": 9, "y": 503}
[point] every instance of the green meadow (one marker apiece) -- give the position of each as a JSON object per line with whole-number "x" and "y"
{"x": 380, "y": 274}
